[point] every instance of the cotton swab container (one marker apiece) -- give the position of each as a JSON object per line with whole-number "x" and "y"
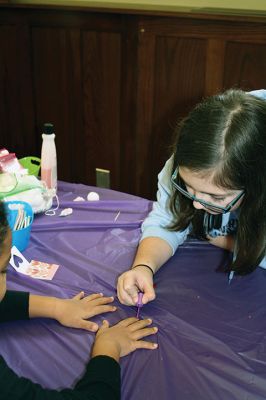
{"x": 20, "y": 217}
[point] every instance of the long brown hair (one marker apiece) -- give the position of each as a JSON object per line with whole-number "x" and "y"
{"x": 226, "y": 133}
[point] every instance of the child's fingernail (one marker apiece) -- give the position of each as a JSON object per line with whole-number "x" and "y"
{"x": 111, "y": 297}
{"x": 155, "y": 345}
{"x": 155, "y": 329}
{"x": 114, "y": 308}
{"x": 94, "y": 328}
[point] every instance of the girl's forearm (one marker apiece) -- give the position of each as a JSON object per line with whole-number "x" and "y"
{"x": 154, "y": 252}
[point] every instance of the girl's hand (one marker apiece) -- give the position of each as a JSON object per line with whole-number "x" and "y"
{"x": 123, "y": 338}
{"x": 133, "y": 281}
{"x": 225, "y": 242}
{"x": 75, "y": 312}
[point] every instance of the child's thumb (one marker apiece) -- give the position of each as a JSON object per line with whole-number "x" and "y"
{"x": 105, "y": 324}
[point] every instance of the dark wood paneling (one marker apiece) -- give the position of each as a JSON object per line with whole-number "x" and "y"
{"x": 17, "y": 117}
{"x": 215, "y": 60}
{"x": 102, "y": 88}
{"x": 57, "y": 90}
{"x": 179, "y": 78}
{"x": 245, "y": 65}
{"x": 66, "y": 69}
{"x": 115, "y": 84}
{"x": 187, "y": 60}
{"x": 247, "y": 32}
{"x": 174, "y": 77}
{"x": 145, "y": 91}
{"x": 129, "y": 158}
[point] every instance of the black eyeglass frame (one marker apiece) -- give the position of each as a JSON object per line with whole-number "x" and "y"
{"x": 206, "y": 204}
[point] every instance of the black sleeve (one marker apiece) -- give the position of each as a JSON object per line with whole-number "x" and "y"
{"x": 100, "y": 382}
{"x": 14, "y": 306}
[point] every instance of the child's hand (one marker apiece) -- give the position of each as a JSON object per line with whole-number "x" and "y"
{"x": 123, "y": 338}
{"x": 131, "y": 282}
{"x": 225, "y": 242}
{"x": 75, "y": 312}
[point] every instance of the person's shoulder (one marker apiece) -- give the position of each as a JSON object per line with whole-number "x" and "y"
{"x": 167, "y": 168}
{"x": 260, "y": 93}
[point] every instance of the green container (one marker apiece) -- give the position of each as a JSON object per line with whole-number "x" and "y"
{"x": 33, "y": 164}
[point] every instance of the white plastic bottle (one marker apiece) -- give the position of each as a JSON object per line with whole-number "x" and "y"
{"x": 48, "y": 157}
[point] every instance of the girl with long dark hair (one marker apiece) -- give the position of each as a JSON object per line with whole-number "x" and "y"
{"x": 213, "y": 187}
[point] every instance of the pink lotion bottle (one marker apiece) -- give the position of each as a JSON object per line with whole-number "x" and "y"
{"x": 48, "y": 157}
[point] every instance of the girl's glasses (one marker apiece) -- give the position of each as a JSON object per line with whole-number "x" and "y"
{"x": 206, "y": 204}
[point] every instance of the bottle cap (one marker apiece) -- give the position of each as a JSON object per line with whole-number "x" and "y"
{"x": 48, "y": 129}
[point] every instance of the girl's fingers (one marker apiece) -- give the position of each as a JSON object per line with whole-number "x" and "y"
{"x": 99, "y": 300}
{"x": 127, "y": 289}
{"x": 79, "y": 296}
{"x": 142, "y": 344}
{"x": 93, "y": 296}
{"x": 132, "y": 291}
{"x": 127, "y": 321}
{"x": 140, "y": 323}
{"x": 105, "y": 325}
{"x": 149, "y": 294}
{"x": 103, "y": 309}
{"x": 104, "y": 300}
{"x": 88, "y": 326}
{"x": 125, "y": 298}
{"x": 145, "y": 332}
{"x": 134, "y": 324}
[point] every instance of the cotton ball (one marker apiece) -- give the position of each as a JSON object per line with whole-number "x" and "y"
{"x": 65, "y": 212}
{"x": 79, "y": 198}
{"x": 93, "y": 196}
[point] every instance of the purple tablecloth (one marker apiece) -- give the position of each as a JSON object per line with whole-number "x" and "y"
{"x": 212, "y": 341}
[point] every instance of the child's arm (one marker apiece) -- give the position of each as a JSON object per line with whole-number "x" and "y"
{"x": 100, "y": 381}
{"x": 102, "y": 376}
{"x": 73, "y": 312}
{"x": 225, "y": 242}
{"x": 69, "y": 312}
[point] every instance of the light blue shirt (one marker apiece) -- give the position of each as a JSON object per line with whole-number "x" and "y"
{"x": 157, "y": 222}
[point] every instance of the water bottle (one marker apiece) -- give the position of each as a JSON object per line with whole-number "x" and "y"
{"x": 48, "y": 157}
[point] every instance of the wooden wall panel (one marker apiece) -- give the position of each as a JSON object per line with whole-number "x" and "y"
{"x": 179, "y": 78}
{"x": 102, "y": 89}
{"x": 64, "y": 68}
{"x": 215, "y": 60}
{"x": 176, "y": 67}
{"x": 245, "y": 65}
{"x": 16, "y": 105}
{"x": 129, "y": 157}
{"x": 57, "y": 93}
{"x": 77, "y": 81}
{"x": 185, "y": 61}
{"x": 145, "y": 92}
{"x": 115, "y": 84}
